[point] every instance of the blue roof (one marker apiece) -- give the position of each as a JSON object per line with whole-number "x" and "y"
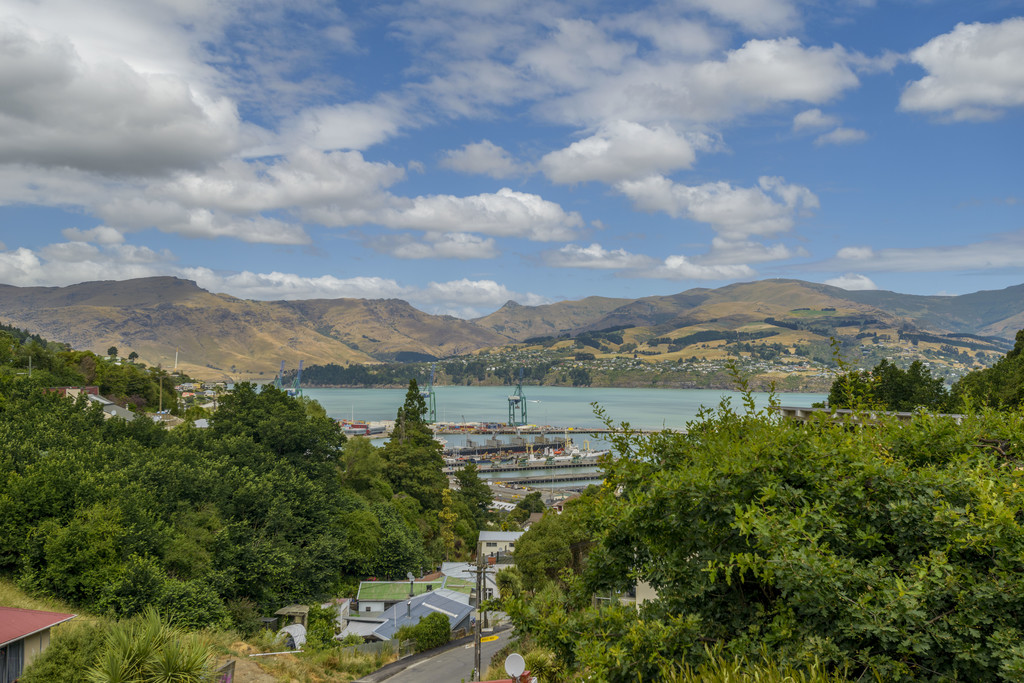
{"x": 448, "y": 603}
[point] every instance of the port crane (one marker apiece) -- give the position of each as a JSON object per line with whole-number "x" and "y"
{"x": 517, "y": 403}
{"x": 296, "y": 389}
{"x": 430, "y": 399}
{"x": 279, "y": 380}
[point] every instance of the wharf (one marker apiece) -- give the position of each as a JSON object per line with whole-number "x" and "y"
{"x": 574, "y": 464}
{"x": 495, "y": 447}
{"x": 550, "y": 478}
{"x": 489, "y": 428}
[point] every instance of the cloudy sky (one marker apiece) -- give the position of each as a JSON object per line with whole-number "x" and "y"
{"x": 461, "y": 153}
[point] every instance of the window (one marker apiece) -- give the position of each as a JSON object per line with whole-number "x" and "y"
{"x": 367, "y": 609}
{"x": 492, "y": 544}
{"x": 11, "y": 661}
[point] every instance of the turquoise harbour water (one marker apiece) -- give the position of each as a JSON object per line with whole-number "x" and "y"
{"x": 559, "y": 407}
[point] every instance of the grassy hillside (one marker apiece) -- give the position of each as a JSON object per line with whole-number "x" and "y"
{"x": 216, "y": 336}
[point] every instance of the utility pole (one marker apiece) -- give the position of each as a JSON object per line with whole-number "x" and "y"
{"x": 479, "y": 612}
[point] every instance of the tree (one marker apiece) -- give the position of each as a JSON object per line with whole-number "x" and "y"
{"x": 892, "y": 551}
{"x": 413, "y": 457}
{"x": 475, "y": 493}
{"x": 1000, "y": 386}
{"x": 888, "y": 387}
{"x": 133, "y": 356}
{"x": 112, "y": 352}
{"x": 555, "y": 543}
{"x": 448, "y": 519}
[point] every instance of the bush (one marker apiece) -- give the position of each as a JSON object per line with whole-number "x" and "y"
{"x": 74, "y": 648}
{"x": 432, "y": 631}
{"x": 893, "y": 551}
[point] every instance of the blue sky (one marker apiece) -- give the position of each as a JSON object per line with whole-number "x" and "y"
{"x": 461, "y": 153}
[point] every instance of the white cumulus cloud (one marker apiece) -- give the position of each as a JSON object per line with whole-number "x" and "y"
{"x": 112, "y": 118}
{"x": 595, "y": 256}
{"x": 733, "y": 212}
{"x": 975, "y": 72}
{"x": 504, "y": 213}
{"x": 813, "y": 118}
{"x": 679, "y": 267}
{"x": 458, "y": 245}
{"x": 483, "y": 157}
{"x": 618, "y": 151}
{"x": 852, "y": 282}
{"x": 841, "y": 136}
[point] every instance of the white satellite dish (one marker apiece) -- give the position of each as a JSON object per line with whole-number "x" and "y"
{"x": 515, "y": 665}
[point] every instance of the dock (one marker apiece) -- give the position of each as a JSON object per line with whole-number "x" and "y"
{"x": 572, "y": 464}
{"x": 549, "y": 478}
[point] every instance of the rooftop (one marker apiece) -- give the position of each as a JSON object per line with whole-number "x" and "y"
{"x": 16, "y": 624}
{"x": 500, "y": 535}
{"x": 389, "y": 591}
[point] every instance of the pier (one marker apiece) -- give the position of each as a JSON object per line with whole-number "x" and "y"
{"x": 573, "y": 464}
{"x": 549, "y": 478}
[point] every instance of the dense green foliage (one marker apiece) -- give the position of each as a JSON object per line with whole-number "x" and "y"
{"x": 432, "y": 631}
{"x": 268, "y": 506}
{"x": 55, "y": 365}
{"x": 894, "y": 551}
{"x": 1002, "y": 385}
{"x": 889, "y": 387}
{"x": 73, "y": 652}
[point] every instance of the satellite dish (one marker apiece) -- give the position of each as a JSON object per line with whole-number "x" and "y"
{"x": 515, "y": 665}
{"x": 409, "y": 576}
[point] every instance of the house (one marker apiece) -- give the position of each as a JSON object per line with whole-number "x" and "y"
{"x": 24, "y": 634}
{"x": 111, "y": 409}
{"x": 74, "y": 392}
{"x": 464, "y": 574}
{"x": 452, "y": 604}
{"x": 374, "y": 597}
{"x": 532, "y": 519}
{"x": 495, "y": 543}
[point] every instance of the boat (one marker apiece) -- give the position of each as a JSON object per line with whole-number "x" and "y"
{"x": 361, "y": 428}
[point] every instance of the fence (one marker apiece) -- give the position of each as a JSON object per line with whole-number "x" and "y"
{"x": 386, "y": 647}
{"x": 226, "y": 674}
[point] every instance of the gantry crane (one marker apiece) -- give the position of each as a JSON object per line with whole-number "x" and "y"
{"x": 517, "y": 403}
{"x": 430, "y": 399}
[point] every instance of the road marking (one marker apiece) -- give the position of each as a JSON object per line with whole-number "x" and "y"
{"x": 488, "y": 639}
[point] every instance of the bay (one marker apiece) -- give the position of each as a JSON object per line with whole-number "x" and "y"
{"x": 558, "y": 407}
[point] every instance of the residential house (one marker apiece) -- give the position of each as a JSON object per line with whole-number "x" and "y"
{"x": 494, "y": 544}
{"x": 465, "y": 574}
{"x": 452, "y": 604}
{"x": 374, "y": 597}
{"x": 24, "y": 634}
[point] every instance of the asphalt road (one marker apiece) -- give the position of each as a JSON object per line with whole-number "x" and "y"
{"x": 452, "y": 666}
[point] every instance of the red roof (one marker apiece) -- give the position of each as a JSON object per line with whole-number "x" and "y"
{"x": 16, "y": 624}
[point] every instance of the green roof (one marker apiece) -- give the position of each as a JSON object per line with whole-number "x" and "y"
{"x": 388, "y": 591}
{"x": 394, "y": 590}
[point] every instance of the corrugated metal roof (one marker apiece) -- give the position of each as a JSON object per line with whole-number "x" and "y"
{"x": 500, "y": 535}
{"x": 445, "y": 602}
{"x": 16, "y": 624}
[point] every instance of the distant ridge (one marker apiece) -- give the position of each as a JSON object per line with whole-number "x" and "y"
{"x": 221, "y": 334}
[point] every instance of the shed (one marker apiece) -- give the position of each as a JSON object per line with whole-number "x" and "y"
{"x": 294, "y": 636}
{"x": 24, "y": 634}
{"x": 294, "y": 614}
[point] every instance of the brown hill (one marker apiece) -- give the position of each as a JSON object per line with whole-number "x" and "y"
{"x": 220, "y": 335}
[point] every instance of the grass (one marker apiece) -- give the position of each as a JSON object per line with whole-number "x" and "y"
{"x": 329, "y": 666}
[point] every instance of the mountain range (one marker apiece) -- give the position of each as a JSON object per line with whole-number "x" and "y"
{"x": 168, "y": 320}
